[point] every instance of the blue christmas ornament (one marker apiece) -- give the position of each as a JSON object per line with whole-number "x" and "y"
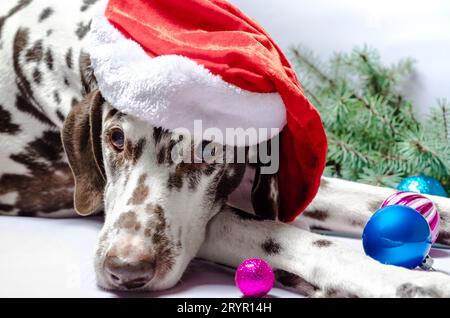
{"x": 422, "y": 184}
{"x": 397, "y": 235}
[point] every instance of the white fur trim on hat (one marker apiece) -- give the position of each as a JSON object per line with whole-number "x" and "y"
{"x": 173, "y": 91}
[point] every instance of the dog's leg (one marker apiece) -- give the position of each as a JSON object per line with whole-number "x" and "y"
{"x": 345, "y": 206}
{"x": 314, "y": 265}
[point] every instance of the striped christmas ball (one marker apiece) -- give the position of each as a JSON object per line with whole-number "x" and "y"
{"x": 420, "y": 203}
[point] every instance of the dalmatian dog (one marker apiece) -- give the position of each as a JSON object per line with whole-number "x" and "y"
{"x": 65, "y": 149}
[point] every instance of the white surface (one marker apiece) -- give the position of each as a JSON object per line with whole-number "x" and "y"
{"x": 400, "y": 28}
{"x": 53, "y": 258}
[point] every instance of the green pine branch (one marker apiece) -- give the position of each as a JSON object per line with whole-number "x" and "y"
{"x": 374, "y": 134}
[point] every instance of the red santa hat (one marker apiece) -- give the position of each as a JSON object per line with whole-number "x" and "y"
{"x": 171, "y": 62}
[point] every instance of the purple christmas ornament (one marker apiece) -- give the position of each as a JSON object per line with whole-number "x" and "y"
{"x": 254, "y": 277}
{"x": 421, "y": 204}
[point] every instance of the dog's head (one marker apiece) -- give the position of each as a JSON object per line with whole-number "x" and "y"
{"x": 156, "y": 209}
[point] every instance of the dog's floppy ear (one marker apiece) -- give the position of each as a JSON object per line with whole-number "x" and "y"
{"x": 82, "y": 142}
{"x": 265, "y": 198}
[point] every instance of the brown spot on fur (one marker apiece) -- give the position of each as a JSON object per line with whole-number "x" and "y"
{"x": 444, "y": 238}
{"x": 25, "y": 101}
{"x": 48, "y": 187}
{"x": 357, "y": 223}
{"x": 74, "y": 102}
{"x": 56, "y": 97}
{"x": 194, "y": 180}
{"x": 35, "y": 53}
{"x": 115, "y": 163}
{"x": 175, "y": 181}
{"x": 87, "y": 73}
{"x": 19, "y": 6}
{"x": 316, "y": 214}
{"x": 295, "y": 281}
{"x": 161, "y": 156}
{"x": 148, "y": 232}
{"x": 87, "y": 4}
{"x": 159, "y": 133}
{"x": 6, "y": 124}
{"x": 164, "y": 248}
{"x": 225, "y": 182}
{"x": 159, "y": 212}
{"x": 270, "y": 247}
{"x": 37, "y": 76}
{"x": 128, "y": 221}
{"x": 190, "y": 172}
{"x": 69, "y": 58}
{"x": 180, "y": 235}
{"x": 49, "y": 59}
{"x": 135, "y": 151}
{"x": 82, "y": 30}
{"x": 20, "y": 43}
{"x": 141, "y": 191}
{"x": 409, "y": 290}
{"x": 25, "y": 106}
{"x": 209, "y": 170}
{"x": 164, "y": 149}
{"x": 322, "y": 243}
{"x": 158, "y": 238}
{"x": 265, "y": 204}
{"x": 111, "y": 114}
{"x": 47, "y": 147}
{"x": 336, "y": 293}
{"x": 45, "y": 14}
{"x": 157, "y": 224}
{"x": 227, "y": 178}
{"x": 373, "y": 206}
{"x": 127, "y": 175}
{"x": 60, "y": 115}
{"x": 444, "y": 217}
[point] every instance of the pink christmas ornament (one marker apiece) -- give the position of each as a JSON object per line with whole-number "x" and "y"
{"x": 254, "y": 277}
{"x": 421, "y": 204}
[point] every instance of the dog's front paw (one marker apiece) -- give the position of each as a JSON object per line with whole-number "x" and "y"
{"x": 443, "y": 206}
{"x": 425, "y": 285}
{"x": 410, "y": 290}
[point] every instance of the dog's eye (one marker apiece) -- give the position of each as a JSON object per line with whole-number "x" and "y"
{"x": 117, "y": 139}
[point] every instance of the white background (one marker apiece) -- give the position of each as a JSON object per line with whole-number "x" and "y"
{"x": 398, "y": 28}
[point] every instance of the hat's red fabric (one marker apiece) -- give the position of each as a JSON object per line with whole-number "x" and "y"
{"x": 217, "y": 35}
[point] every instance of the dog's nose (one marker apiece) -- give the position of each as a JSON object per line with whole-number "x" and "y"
{"x": 129, "y": 274}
